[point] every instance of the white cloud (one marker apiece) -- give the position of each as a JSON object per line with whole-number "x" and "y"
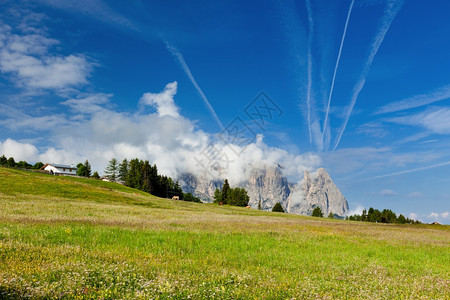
{"x": 28, "y": 59}
{"x": 374, "y": 129}
{"x": 433, "y": 120}
{"x": 443, "y": 218}
{"x": 88, "y": 104}
{"x": 163, "y": 102}
{"x": 356, "y": 211}
{"x": 388, "y": 192}
{"x": 96, "y": 9}
{"x": 415, "y": 195}
{"x": 20, "y": 151}
{"x": 94, "y": 131}
{"x": 19, "y": 121}
{"x": 433, "y": 215}
{"x": 413, "y": 216}
{"x": 440, "y": 94}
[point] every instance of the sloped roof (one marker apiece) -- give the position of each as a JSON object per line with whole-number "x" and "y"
{"x": 60, "y": 166}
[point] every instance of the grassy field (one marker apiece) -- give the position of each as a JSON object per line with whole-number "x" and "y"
{"x": 66, "y": 238}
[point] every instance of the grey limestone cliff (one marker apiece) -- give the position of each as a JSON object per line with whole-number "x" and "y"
{"x": 267, "y": 186}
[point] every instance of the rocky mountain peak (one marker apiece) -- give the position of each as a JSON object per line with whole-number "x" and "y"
{"x": 266, "y": 186}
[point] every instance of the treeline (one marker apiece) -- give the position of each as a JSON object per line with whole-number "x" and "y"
{"x": 10, "y": 162}
{"x": 232, "y": 196}
{"x": 384, "y": 216}
{"x": 143, "y": 176}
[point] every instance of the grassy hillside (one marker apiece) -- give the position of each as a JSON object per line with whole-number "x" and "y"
{"x": 71, "y": 238}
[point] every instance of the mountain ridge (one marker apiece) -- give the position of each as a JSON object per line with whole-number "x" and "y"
{"x": 266, "y": 186}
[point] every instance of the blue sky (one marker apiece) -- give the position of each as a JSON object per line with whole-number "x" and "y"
{"x": 358, "y": 87}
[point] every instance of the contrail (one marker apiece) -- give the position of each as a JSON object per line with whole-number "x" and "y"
{"x": 440, "y": 94}
{"x": 336, "y": 67}
{"x": 411, "y": 170}
{"x": 174, "y": 51}
{"x": 392, "y": 8}
{"x": 308, "y": 90}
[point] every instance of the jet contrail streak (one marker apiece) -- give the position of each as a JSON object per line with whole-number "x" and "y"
{"x": 336, "y": 67}
{"x": 309, "y": 87}
{"x": 412, "y": 170}
{"x": 174, "y": 51}
{"x": 392, "y": 8}
{"x": 440, "y": 94}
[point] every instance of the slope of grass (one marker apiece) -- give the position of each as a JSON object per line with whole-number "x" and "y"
{"x": 71, "y": 238}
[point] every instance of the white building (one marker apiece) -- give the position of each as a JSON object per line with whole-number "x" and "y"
{"x": 59, "y": 169}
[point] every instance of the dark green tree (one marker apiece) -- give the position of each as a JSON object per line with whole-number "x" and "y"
{"x": 225, "y": 190}
{"x": 134, "y": 178}
{"x": 401, "y": 219}
{"x": 81, "y": 170}
{"x": 331, "y": 215}
{"x": 84, "y": 170}
{"x": 123, "y": 170}
{"x": 95, "y": 175}
{"x": 217, "y": 196}
{"x": 23, "y": 165}
{"x": 11, "y": 162}
{"x": 317, "y": 212}
{"x": 364, "y": 215}
{"x": 259, "y": 205}
{"x": 388, "y": 216}
{"x": 38, "y": 165}
{"x": 87, "y": 166}
{"x": 278, "y": 208}
{"x": 112, "y": 170}
{"x": 3, "y": 160}
{"x": 237, "y": 197}
{"x": 147, "y": 185}
{"x": 191, "y": 198}
{"x": 175, "y": 190}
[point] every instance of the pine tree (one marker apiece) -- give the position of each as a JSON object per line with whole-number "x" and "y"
{"x": 87, "y": 165}
{"x": 259, "y": 205}
{"x": 134, "y": 178}
{"x": 217, "y": 196}
{"x": 95, "y": 175}
{"x": 317, "y": 212}
{"x": 112, "y": 170}
{"x": 331, "y": 215}
{"x": 146, "y": 178}
{"x": 364, "y": 215}
{"x": 225, "y": 190}
{"x": 278, "y": 208}
{"x": 123, "y": 170}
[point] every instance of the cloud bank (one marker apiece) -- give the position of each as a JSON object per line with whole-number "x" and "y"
{"x": 162, "y": 136}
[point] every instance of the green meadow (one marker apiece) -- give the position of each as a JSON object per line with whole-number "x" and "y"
{"x": 73, "y": 238}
